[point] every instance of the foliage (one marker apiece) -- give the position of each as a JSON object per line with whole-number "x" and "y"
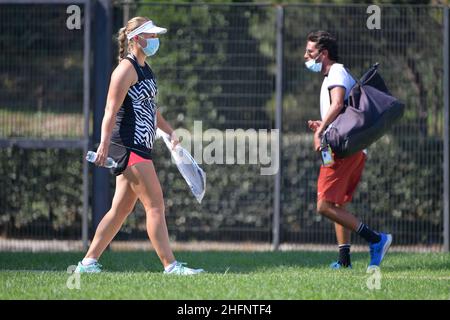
{"x": 217, "y": 64}
{"x": 41, "y": 68}
{"x": 41, "y": 189}
{"x": 46, "y": 186}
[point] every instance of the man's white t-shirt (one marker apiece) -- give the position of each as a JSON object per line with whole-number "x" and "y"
{"x": 337, "y": 77}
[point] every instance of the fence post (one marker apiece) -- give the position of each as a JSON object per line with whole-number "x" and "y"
{"x": 278, "y": 125}
{"x": 102, "y": 71}
{"x": 86, "y": 97}
{"x": 446, "y": 84}
{"x": 126, "y": 12}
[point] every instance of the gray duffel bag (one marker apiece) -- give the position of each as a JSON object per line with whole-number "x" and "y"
{"x": 369, "y": 113}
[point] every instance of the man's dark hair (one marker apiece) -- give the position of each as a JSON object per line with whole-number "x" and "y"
{"x": 324, "y": 40}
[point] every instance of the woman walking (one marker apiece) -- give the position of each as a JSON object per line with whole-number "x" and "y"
{"x": 128, "y": 133}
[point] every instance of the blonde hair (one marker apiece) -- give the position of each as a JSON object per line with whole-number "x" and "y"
{"x": 132, "y": 24}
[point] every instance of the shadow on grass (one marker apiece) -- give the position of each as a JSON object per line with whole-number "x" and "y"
{"x": 215, "y": 262}
{"x": 147, "y": 261}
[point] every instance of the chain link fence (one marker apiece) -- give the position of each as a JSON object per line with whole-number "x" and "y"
{"x": 217, "y": 64}
{"x": 402, "y": 185}
{"x": 43, "y": 121}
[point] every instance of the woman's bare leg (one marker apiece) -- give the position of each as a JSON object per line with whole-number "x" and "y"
{"x": 144, "y": 181}
{"x": 122, "y": 205}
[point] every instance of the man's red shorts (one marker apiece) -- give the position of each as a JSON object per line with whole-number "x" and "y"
{"x": 338, "y": 182}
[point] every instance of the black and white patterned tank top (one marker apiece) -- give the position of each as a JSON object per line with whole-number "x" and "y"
{"x": 136, "y": 120}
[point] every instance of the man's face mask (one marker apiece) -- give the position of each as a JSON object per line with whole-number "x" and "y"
{"x": 314, "y": 66}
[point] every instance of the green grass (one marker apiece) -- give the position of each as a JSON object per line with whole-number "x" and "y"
{"x": 231, "y": 275}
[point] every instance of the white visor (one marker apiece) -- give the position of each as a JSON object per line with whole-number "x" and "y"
{"x": 147, "y": 27}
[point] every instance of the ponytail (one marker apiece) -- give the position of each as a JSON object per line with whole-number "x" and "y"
{"x": 122, "y": 36}
{"x": 122, "y": 39}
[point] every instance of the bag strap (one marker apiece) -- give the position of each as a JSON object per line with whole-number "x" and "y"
{"x": 374, "y": 66}
{"x": 350, "y": 96}
{"x": 354, "y": 78}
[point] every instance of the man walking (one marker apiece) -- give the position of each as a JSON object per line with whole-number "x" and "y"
{"x": 338, "y": 177}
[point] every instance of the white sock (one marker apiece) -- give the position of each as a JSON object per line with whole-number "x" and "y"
{"x": 88, "y": 261}
{"x": 170, "y": 266}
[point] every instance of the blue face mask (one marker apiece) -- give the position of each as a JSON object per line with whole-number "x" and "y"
{"x": 314, "y": 66}
{"x": 152, "y": 46}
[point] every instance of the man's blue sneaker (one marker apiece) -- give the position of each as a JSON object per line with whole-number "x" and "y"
{"x": 379, "y": 249}
{"x": 338, "y": 265}
{"x": 90, "y": 268}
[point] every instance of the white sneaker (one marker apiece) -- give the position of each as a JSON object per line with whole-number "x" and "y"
{"x": 180, "y": 269}
{"x": 91, "y": 268}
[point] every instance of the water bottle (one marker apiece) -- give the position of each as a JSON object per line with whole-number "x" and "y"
{"x": 109, "y": 163}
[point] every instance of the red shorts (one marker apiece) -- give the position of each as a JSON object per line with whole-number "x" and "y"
{"x": 134, "y": 159}
{"x": 338, "y": 182}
